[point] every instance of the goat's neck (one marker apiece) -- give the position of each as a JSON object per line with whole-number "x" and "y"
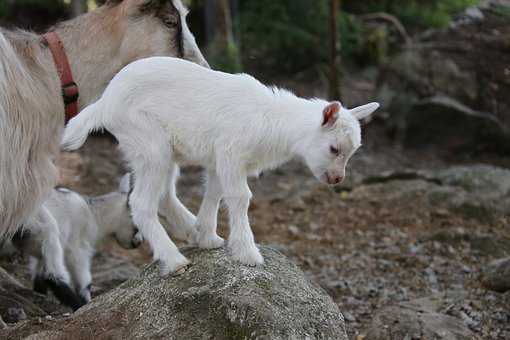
{"x": 106, "y": 210}
{"x": 294, "y": 123}
{"x": 93, "y": 43}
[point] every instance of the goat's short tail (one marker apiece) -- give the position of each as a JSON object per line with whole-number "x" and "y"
{"x": 78, "y": 128}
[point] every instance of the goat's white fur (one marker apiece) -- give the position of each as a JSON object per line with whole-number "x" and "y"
{"x": 69, "y": 228}
{"x": 166, "y": 111}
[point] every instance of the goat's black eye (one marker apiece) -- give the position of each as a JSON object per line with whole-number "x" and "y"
{"x": 170, "y": 22}
{"x": 334, "y": 150}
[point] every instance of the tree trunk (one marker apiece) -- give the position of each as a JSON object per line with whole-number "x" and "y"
{"x": 222, "y": 47}
{"x": 335, "y": 73}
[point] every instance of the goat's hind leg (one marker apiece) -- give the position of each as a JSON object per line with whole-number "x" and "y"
{"x": 181, "y": 220}
{"x": 144, "y": 206}
{"x": 150, "y": 163}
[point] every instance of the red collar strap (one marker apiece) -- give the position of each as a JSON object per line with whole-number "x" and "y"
{"x": 70, "y": 90}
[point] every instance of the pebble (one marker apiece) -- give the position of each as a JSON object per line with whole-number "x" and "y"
{"x": 15, "y": 314}
{"x": 294, "y": 230}
{"x": 431, "y": 275}
{"x": 349, "y": 317}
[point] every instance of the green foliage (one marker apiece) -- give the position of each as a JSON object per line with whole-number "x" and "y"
{"x": 414, "y": 14}
{"x": 292, "y": 35}
{"x": 3, "y": 8}
{"x": 225, "y": 58}
{"x": 50, "y": 5}
{"x": 286, "y": 34}
{"x": 501, "y": 10}
{"x": 31, "y": 14}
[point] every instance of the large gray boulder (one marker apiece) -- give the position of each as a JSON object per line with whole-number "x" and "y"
{"x": 466, "y": 65}
{"x": 433, "y": 121}
{"x": 216, "y": 298}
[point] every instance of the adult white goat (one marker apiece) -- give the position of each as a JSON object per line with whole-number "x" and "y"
{"x": 82, "y": 222}
{"x": 98, "y": 44}
{"x": 166, "y": 111}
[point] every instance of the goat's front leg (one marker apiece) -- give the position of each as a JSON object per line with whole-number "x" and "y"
{"x": 181, "y": 220}
{"x": 237, "y": 197}
{"x": 79, "y": 264}
{"x": 55, "y": 274}
{"x": 207, "y": 218}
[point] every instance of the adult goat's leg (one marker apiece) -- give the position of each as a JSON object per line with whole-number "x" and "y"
{"x": 207, "y": 218}
{"x": 180, "y": 219}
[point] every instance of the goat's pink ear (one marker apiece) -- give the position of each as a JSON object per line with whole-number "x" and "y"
{"x": 330, "y": 114}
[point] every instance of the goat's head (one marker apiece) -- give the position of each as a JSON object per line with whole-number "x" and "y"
{"x": 124, "y": 231}
{"x": 155, "y": 28}
{"x": 328, "y": 150}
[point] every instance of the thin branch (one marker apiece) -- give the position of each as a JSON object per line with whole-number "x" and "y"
{"x": 392, "y": 20}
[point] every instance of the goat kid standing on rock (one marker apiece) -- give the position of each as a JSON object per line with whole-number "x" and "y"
{"x": 166, "y": 111}
{"x": 82, "y": 223}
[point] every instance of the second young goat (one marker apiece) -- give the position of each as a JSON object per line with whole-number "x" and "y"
{"x": 61, "y": 247}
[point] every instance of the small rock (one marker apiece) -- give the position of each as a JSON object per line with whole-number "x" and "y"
{"x": 349, "y": 317}
{"x": 468, "y": 321}
{"x": 15, "y": 315}
{"x": 294, "y": 230}
{"x": 466, "y": 269}
{"x": 496, "y": 276}
{"x": 475, "y": 13}
{"x": 431, "y": 275}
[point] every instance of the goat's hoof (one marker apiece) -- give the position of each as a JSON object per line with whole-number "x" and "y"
{"x": 210, "y": 241}
{"x": 249, "y": 257}
{"x": 175, "y": 269}
{"x": 180, "y": 271}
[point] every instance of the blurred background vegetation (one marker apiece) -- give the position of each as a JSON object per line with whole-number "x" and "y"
{"x": 268, "y": 35}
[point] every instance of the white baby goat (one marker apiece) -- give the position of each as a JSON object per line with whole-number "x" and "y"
{"x": 166, "y": 111}
{"x": 81, "y": 223}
